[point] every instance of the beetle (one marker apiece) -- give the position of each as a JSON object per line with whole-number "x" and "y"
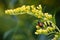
{"x": 40, "y": 24}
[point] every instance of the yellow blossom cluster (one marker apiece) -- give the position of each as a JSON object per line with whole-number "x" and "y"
{"x": 35, "y": 11}
{"x": 47, "y": 27}
{"x": 32, "y": 10}
{"x": 47, "y": 16}
{"x": 18, "y": 10}
{"x": 44, "y": 31}
{"x": 41, "y": 31}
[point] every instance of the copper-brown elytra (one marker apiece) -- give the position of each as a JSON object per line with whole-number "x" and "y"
{"x": 40, "y": 24}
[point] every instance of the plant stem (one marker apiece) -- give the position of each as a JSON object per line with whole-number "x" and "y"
{"x": 57, "y": 29}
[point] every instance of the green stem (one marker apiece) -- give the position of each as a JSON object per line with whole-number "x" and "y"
{"x": 57, "y": 28}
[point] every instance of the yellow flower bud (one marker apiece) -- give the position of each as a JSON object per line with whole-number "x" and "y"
{"x": 37, "y": 27}
{"x": 17, "y": 9}
{"x": 23, "y": 8}
{"x": 9, "y": 11}
{"x": 46, "y": 14}
{"x": 27, "y": 7}
{"x": 50, "y": 16}
{"x": 45, "y": 23}
{"x": 36, "y": 11}
{"x": 32, "y": 6}
{"x": 6, "y": 11}
{"x": 44, "y": 31}
{"x": 36, "y": 14}
{"x": 45, "y": 19}
{"x": 53, "y": 26}
{"x": 39, "y": 16}
{"x": 36, "y": 33}
{"x": 48, "y": 22}
{"x": 50, "y": 29}
{"x": 33, "y": 10}
{"x": 39, "y": 31}
{"x": 39, "y": 7}
{"x": 40, "y": 13}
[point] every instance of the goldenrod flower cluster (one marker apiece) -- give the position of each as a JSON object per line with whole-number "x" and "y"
{"x": 32, "y": 10}
{"x": 41, "y": 31}
{"x": 37, "y": 12}
{"x": 44, "y": 31}
{"x": 47, "y": 16}
{"x": 48, "y": 27}
{"x": 19, "y": 10}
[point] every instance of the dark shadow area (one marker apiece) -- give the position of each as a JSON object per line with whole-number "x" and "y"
{"x": 57, "y": 17}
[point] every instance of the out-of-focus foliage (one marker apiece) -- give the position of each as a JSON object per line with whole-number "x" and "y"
{"x": 7, "y": 22}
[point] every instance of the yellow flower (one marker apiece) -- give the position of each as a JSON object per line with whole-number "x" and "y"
{"x": 39, "y": 16}
{"x": 50, "y": 29}
{"x": 23, "y": 8}
{"x": 28, "y": 7}
{"x": 36, "y": 33}
{"x": 33, "y": 10}
{"x": 16, "y": 10}
{"x": 36, "y": 11}
{"x": 45, "y": 19}
{"x": 40, "y": 13}
{"x": 44, "y": 31}
{"x": 48, "y": 22}
{"x": 39, "y": 7}
{"x": 32, "y": 6}
{"x": 6, "y": 11}
{"x": 37, "y": 27}
{"x": 39, "y": 31}
{"x": 48, "y": 16}
{"x": 45, "y": 23}
{"x": 9, "y": 11}
{"x": 36, "y": 14}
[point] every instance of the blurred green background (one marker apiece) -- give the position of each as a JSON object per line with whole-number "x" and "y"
{"x": 24, "y": 32}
